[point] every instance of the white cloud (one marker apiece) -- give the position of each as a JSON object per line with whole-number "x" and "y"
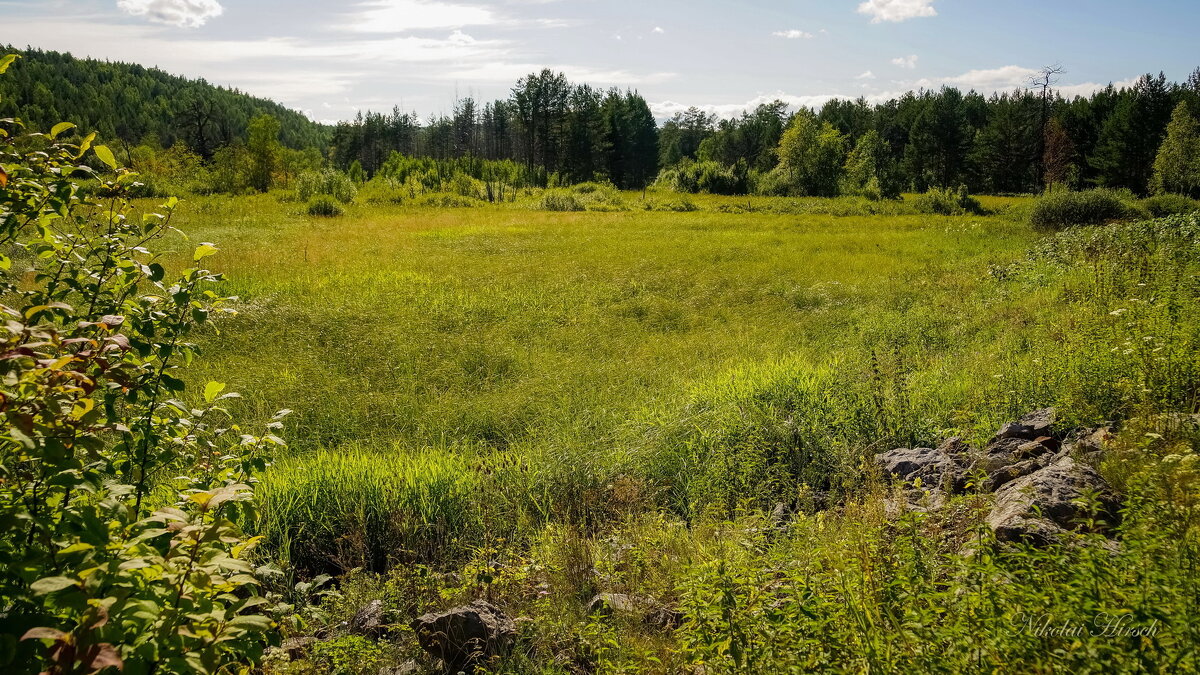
{"x": 896, "y": 10}
{"x": 182, "y": 13}
{"x": 1007, "y": 78}
{"x": 909, "y": 61}
{"x": 793, "y": 34}
{"x": 658, "y": 30}
{"x": 397, "y": 16}
{"x": 865, "y": 76}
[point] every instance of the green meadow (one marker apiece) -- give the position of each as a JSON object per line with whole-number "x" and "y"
{"x": 535, "y": 406}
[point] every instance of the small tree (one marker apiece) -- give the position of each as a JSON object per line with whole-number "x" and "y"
{"x": 868, "y": 170}
{"x": 1058, "y": 167}
{"x": 264, "y": 151}
{"x": 1177, "y": 166}
{"x": 811, "y": 156}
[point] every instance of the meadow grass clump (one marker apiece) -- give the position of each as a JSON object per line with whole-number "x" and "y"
{"x": 325, "y": 206}
{"x": 1063, "y": 209}
{"x": 334, "y": 510}
{"x": 447, "y": 200}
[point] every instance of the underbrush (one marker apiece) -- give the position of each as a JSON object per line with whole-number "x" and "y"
{"x": 582, "y": 197}
{"x": 1062, "y": 209}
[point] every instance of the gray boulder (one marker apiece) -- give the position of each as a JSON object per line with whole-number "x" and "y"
{"x": 652, "y": 613}
{"x": 1038, "y": 507}
{"x": 1030, "y": 427}
{"x": 935, "y": 467}
{"x": 466, "y": 636}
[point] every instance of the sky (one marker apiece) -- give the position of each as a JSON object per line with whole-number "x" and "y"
{"x": 332, "y": 59}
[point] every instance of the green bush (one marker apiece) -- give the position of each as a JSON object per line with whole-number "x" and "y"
{"x": 326, "y": 182}
{"x": 325, "y": 206}
{"x": 1059, "y": 210}
{"x": 110, "y": 563}
{"x": 947, "y": 202}
{"x": 560, "y": 200}
{"x": 709, "y": 177}
{"x": 1160, "y": 206}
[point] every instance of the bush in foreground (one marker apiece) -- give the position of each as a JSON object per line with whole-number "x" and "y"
{"x": 947, "y": 202}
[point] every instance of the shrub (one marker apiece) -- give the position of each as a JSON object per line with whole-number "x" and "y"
{"x": 110, "y": 564}
{"x": 560, "y": 200}
{"x": 947, "y": 202}
{"x": 1059, "y": 210}
{"x": 326, "y": 182}
{"x": 1160, "y": 206}
{"x": 325, "y": 206}
{"x": 709, "y": 177}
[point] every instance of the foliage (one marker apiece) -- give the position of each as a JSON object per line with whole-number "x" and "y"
{"x": 1177, "y": 166}
{"x": 692, "y": 177}
{"x": 263, "y": 146}
{"x": 868, "y": 171}
{"x": 110, "y": 560}
{"x": 129, "y": 102}
{"x": 1162, "y": 205}
{"x": 1061, "y": 209}
{"x": 947, "y": 202}
{"x": 324, "y": 205}
{"x": 811, "y": 157}
{"x": 326, "y": 182}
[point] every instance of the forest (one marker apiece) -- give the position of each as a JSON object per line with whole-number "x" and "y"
{"x": 1006, "y": 143}
{"x": 549, "y": 386}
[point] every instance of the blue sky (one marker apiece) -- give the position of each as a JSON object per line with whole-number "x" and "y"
{"x": 331, "y": 59}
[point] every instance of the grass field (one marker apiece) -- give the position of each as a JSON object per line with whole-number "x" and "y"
{"x": 584, "y": 401}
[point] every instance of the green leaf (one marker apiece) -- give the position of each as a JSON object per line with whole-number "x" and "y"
{"x": 203, "y": 251}
{"x": 172, "y": 383}
{"x": 212, "y": 390}
{"x": 51, "y": 584}
{"x": 7, "y": 60}
{"x": 254, "y": 622}
{"x": 105, "y": 156}
{"x": 61, "y": 127}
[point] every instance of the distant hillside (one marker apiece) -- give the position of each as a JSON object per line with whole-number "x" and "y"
{"x": 128, "y": 101}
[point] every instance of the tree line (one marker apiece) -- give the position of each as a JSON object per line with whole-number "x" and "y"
{"x": 1009, "y": 142}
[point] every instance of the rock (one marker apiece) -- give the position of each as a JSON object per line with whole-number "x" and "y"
{"x": 368, "y": 621}
{"x": 1006, "y": 474}
{"x": 954, "y": 446}
{"x": 934, "y": 467}
{"x": 1038, "y": 507}
{"x": 297, "y": 648}
{"x": 1089, "y": 444}
{"x": 1030, "y": 427}
{"x": 652, "y": 613}
{"x": 466, "y": 636}
{"x": 607, "y": 604}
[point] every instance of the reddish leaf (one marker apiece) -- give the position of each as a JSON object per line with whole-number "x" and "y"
{"x": 44, "y": 633}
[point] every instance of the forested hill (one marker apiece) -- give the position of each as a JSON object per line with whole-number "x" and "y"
{"x": 128, "y": 101}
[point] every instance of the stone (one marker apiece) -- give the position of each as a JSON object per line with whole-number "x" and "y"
{"x": 934, "y": 467}
{"x": 466, "y": 636}
{"x": 1030, "y": 427}
{"x": 651, "y": 612}
{"x": 369, "y": 621}
{"x": 297, "y": 648}
{"x": 1038, "y": 507}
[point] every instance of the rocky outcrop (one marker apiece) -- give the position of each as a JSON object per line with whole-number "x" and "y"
{"x": 1044, "y": 504}
{"x": 1039, "y": 487}
{"x": 467, "y": 636}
